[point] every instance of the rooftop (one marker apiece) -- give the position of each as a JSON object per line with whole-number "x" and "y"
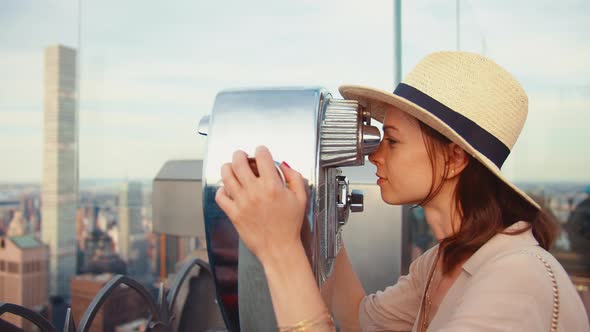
{"x": 26, "y": 241}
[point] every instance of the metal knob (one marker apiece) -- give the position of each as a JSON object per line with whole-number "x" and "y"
{"x": 356, "y": 200}
{"x": 371, "y": 139}
{"x": 346, "y": 135}
{"x": 342, "y": 209}
{"x": 340, "y": 134}
{"x": 204, "y": 125}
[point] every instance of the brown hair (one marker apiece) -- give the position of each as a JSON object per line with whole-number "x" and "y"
{"x": 486, "y": 204}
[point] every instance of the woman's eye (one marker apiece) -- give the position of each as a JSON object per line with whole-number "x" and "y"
{"x": 390, "y": 141}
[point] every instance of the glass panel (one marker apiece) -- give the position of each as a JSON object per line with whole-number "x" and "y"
{"x": 547, "y": 50}
{"x": 95, "y": 96}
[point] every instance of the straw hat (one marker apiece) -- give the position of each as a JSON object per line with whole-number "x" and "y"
{"x": 468, "y": 98}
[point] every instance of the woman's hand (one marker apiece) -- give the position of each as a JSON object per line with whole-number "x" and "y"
{"x": 267, "y": 214}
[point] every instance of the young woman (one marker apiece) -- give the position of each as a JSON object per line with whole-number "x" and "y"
{"x": 447, "y": 130}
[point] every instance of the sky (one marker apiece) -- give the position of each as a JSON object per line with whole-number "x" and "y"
{"x": 150, "y": 70}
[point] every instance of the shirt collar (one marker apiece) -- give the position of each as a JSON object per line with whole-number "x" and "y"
{"x": 500, "y": 243}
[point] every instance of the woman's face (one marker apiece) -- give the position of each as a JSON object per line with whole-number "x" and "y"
{"x": 403, "y": 165}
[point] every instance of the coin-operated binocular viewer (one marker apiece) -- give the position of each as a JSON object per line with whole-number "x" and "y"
{"x": 316, "y": 134}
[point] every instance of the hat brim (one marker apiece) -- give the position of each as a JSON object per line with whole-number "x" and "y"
{"x": 373, "y": 99}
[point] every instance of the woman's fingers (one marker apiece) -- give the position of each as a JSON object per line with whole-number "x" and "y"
{"x": 231, "y": 183}
{"x": 266, "y": 165}
{"x": 295, "y": 182}
{"x": 255, "y": 204}
{"x": 241, "y": 168}
{"x": 225, "y": 203}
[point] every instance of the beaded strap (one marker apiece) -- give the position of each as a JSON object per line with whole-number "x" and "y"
{"x": 555, "y": 314}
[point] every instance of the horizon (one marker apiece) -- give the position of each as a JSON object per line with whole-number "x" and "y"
{"x": 145, "y": 180}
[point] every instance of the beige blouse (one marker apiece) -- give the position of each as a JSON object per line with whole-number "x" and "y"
{"x": 502, "y": 287}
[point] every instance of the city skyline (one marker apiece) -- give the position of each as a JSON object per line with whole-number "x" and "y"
{"x": 143, "y": 92}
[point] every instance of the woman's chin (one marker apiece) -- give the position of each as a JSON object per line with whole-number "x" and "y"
{"x": 389, "y": 199}
{"x": 396, "y": 200}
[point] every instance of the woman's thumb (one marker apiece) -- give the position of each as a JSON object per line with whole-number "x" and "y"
{"x": 295, "y": 181}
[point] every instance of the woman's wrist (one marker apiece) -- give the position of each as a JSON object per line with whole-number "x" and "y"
{"x": 282, "y": 261}
{"x": 282, "y": 257}
{"x": 292, "y": 285}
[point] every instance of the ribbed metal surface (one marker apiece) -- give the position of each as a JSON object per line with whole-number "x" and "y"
{"x": 341, "y": 134}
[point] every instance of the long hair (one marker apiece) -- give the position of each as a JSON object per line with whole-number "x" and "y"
{"x": 486, "y": 204}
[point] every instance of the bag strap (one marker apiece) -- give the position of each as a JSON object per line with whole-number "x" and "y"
{"x": 555, "y": 314}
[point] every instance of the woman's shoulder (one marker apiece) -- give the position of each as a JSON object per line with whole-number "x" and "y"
{"x": 429, "y": 255}
{"x": 528, "y": 262}
{"x": 530, "y": 270}
{"x": 529, "y": 281}
{"x": 425, "y": 261}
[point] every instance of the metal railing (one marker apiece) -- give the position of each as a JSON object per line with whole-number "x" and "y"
{"x": 161, "y": 316}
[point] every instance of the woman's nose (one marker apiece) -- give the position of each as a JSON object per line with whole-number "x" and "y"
{"x": 375, "y": 157}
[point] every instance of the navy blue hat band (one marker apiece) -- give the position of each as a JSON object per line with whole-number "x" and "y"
{"x": 479, "y": 138}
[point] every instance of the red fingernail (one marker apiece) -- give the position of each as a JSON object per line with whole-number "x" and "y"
{"x": 284, "y": 162}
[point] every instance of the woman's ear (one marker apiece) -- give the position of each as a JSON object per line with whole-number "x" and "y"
{"x": 458, "y": 160}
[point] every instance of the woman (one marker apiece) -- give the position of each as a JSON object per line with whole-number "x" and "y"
{"x": 447, "y": 130}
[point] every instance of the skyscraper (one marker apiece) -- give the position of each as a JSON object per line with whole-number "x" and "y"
{"x": 132, "y": 242}
{"x": 60, "y": 166}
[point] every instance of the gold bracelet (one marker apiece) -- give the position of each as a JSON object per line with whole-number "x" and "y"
{"x": 322, "y": 322}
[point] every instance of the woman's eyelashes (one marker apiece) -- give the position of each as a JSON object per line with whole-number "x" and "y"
{"x": 390, "y": 141}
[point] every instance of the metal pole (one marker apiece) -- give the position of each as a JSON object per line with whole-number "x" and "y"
{"x": 405, "y": 235}
{"x": 163, "y": 257}
{"x": 397, "y": 42}
{"x": 77, "y": 111}
{"x": 458, "y": 17}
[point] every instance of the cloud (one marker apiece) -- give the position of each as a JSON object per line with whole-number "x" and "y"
{"x": 547, "y": 45}
{"x": 20, "y": 146}
{"x": 112, "y": 144}
{"x": 136, "y": 145}
{"x": 20, "y": 119}
{"x": 28, "y": 25}
{"x": 21, "y": 85}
